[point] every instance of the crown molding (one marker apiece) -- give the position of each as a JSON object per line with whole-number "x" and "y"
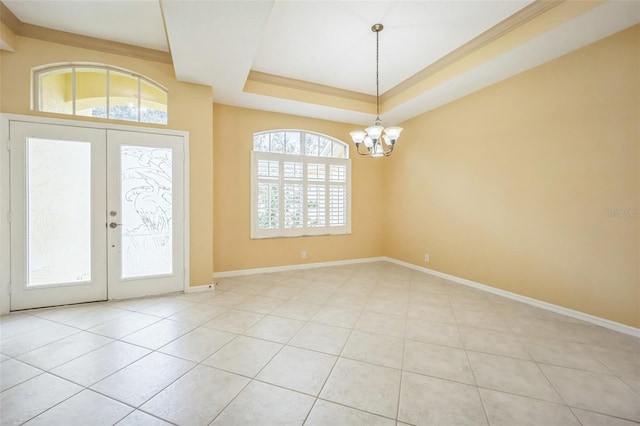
{"x": 525, "y": 15}
{"x": 307, "y": 86}
{"x": 504, "y": 27}
{"x": 70, "y": 39}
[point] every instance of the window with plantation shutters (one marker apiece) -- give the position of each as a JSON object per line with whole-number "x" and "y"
{"x": 300, "y": 185}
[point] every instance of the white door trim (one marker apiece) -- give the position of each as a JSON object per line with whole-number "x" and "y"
{"x": 5, "y": 189}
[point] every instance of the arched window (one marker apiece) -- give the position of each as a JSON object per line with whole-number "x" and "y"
{"x": 99, "y": 91}
{"x": 301, "y": 185}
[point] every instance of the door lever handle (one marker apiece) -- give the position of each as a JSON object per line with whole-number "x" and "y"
{"x": 114, "y": 225}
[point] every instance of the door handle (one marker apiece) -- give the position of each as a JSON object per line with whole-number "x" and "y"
{"x": 114, "y": 225}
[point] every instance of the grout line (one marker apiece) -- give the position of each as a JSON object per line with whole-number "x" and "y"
{"x": 310, "y": 410}
{"x": 154, "y": 394}
{"x": 26, "y": 380}
{"x": 591, "y": 319}
{"x": 341, "y": 350}
{"x": 360, "y": 280}
{"x": 53, "y": 406}
{"x": 358, "y": 409}
{"x": 572, "y": 408}
{"x": 404, "y": 350}
{"x": 149, "y": 414}
{"x": 473, "y": 374}
{"x": 555, "y": 364}
{"x": 267, "y": 363}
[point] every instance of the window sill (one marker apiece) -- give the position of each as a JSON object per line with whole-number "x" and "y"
{"x": 270, "y": 237}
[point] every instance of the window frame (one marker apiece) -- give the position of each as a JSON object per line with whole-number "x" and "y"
{"x": 36, "y": 101}
{"x": 281, "y": 158}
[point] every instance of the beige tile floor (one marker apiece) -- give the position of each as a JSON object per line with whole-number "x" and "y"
{"x": 367, "y": 344}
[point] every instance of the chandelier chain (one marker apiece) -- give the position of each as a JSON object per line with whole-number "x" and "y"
{"x": 372, "y": 137}
{"x": 377, "y": 74}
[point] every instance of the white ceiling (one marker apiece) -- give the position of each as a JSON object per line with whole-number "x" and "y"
{"x": 132, "y": 22}
{"x": 218, "y": 42}
{"x": 331, "y": 42}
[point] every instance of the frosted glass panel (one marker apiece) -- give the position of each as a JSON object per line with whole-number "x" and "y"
{"x": 59, "y": 212}
{"x": 147, "y": 247}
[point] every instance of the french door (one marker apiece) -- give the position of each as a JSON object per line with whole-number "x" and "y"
{"x": 95, "y": 214}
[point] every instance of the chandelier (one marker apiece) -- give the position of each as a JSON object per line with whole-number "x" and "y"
{"x": 371, "y": 136}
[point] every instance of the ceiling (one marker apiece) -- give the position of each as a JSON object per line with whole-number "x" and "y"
{"x": 317, "y": 58}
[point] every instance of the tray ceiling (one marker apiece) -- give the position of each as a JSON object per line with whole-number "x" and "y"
{"x": 317, "y": 58}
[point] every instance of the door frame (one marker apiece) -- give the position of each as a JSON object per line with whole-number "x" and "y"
{"x": 5, "y": 189}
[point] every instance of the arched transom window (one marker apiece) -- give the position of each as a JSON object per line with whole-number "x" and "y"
{"x": 301, "y": 185}
{"x": 99, "y": 91}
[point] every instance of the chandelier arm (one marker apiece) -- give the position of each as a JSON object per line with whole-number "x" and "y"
{"x": 358, "y": 150}
{"x": 385, "y": 152}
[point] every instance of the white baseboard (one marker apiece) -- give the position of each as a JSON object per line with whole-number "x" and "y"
{"x": 285, "y": 268}
{"x": 602, "y": 322}
{"x": 199, "y": 288}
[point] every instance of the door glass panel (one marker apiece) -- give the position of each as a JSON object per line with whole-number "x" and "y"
{"x": 59, "y": 212}
{"x": 146, "y": 206}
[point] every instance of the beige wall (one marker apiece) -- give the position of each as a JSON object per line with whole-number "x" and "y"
{"x": 190, "y": 109}
{"x": 507, "y": 187}
{"x": 510, "y": 186}
{"x": 233, "y": 247}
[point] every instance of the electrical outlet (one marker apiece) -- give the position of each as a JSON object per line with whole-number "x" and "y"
{"x": 426, "y": 257}
{"x": 304, "y": 254}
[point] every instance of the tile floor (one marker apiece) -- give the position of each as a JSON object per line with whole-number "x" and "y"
{"x": 367, "y": 344}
